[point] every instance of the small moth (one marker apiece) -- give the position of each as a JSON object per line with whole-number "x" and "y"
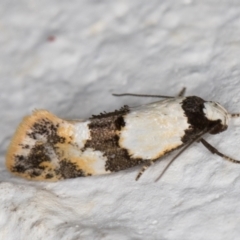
{"x": 46, "y": 147}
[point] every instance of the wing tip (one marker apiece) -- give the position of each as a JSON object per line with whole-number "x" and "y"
{"x": 17, "y": 146}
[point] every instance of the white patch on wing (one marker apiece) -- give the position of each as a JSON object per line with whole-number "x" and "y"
{"x": 95, "y": 161}
{"x": 81, "y": 133}
{"x": 153, "y": 129}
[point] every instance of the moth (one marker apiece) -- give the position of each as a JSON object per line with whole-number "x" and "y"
{"x": 48, "y": 148}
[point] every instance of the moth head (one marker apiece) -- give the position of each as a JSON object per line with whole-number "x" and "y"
{"x": 216, "y": 113}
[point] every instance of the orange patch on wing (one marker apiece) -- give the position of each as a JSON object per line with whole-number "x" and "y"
{"x": 74, "y": 155}
{"x": 66, "y": 131}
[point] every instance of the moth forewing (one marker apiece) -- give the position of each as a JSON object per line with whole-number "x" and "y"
{"x": 46, "y": 147}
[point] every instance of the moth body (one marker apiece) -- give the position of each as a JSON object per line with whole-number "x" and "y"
{"x": 46, "y": 147}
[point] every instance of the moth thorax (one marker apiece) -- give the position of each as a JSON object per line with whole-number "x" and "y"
{"x": 215, "y": 112}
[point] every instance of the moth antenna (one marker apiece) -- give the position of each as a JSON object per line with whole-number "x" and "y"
{"x": 144, "y": 168}
{"x": 182, "y": 92}
{"x": 179, "y": 153}
{"x": 213, "y": 150}
{"x": 139, "y": 95}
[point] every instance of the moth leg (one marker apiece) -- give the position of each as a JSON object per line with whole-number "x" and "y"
{"x": 144, "y": 168}
{"x": 182, "y": 92}
{"x": 213, "y": 150}
{"x": 235, "y": 115}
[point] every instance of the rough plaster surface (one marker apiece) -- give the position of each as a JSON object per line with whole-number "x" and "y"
{"x": 68, "y": 57}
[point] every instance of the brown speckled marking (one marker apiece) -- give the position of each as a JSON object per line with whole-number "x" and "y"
{"x": 43, "y": 156}
{"x": 31, "y": 162}
{"x": 105, "y": 138}
{"x": 68, "y": 169}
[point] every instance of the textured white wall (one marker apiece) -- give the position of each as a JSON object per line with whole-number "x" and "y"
{"x": 68, "y": 57}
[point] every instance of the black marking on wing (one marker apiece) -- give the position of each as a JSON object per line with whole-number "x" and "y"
{"x": 122, "y": 111}
{"x": 32, "y": 162}
{"x": 47, "y": 129}
{"x": 193, "y": 108}
{"x": 105, "y": 138}
{"x": 68, "y": 169}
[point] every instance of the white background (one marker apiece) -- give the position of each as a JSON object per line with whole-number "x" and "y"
{"x": 68, "y": 57}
